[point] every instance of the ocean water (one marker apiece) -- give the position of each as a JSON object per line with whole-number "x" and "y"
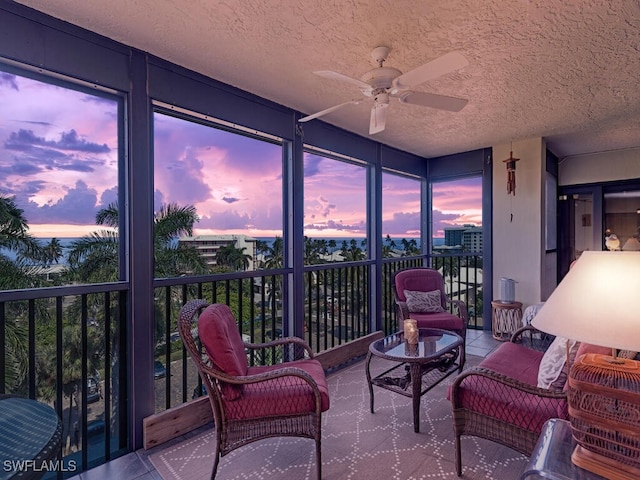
{"x": 67, "y": 242}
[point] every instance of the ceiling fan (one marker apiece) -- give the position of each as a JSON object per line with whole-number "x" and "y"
{"x": 382, "y": 83}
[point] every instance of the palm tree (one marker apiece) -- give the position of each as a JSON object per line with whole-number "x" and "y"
{"x": 410, "y": 247}
{"x": 94, "y": 258}
{"x": 14, "y": 231}
{"x": 274, "y": 260}
{"x": 389, "y": 247}
{"x": 53, "y": 251}
{"x": 232, "y": 257}
{"x": 315, "y": 250}
{"x": 351, "y": 252}
{"x": 17, "y": 274}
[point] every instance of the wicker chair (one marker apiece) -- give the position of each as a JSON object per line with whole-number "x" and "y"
{"x": 253, "y": 403}
{"x": 511, "y": 411}
{"x": 429, "y": 280}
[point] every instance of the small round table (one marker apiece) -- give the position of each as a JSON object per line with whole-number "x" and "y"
{"x": 506, "y": 318}
{"x": 30, "y": 437}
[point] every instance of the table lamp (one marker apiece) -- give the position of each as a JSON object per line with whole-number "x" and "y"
{"x": 597, "y": 302}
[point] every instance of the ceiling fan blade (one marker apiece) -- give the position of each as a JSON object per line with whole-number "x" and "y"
{"x": 441, "y": 102}
{"x": 435, "y": 68}
{"x": 343, "y": 78}
{"x": 378, "y": 118}
{"x": 327, "y": 110}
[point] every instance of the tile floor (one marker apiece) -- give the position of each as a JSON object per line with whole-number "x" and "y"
{"x": 136, "y": 465}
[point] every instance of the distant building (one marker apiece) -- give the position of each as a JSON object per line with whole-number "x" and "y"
{"x": 50, "y": 272}
{"x": 453, "y": 235}
{"x": 208, "y": 246}
{"x": 466, "y": 237}
{"x": 472, "y": 239}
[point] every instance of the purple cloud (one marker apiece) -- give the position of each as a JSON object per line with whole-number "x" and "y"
{"x": 9, "y": 80}
{"x": 24, "y": 139}
{"x": 402, "y": 224}
{"x": 76, "y": 207}
{"x": 311, "y": 164}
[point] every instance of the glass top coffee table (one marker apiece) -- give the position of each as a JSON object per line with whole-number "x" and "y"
{"x": 417, "y": 368}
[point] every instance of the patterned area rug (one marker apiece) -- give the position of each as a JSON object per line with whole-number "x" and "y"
{"x": 356, "y": 444}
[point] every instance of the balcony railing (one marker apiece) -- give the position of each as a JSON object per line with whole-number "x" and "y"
{"x": 75, "y": 360}
{"x": 77, "y": 340}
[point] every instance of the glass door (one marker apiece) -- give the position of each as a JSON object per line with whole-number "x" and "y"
{"x": 622, "y": 220}
{"x": 576, "y": 230}
{"x": 597, "y": 217}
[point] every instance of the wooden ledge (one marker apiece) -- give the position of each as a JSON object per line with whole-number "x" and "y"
{"x": 164, "y": 426}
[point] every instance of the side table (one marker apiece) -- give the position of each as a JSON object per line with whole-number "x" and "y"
{"x": 506, "y": 318}
{"x": 551, "y": 457}
{"x": 30, "y": 437}
{"x": 426, "y": 364}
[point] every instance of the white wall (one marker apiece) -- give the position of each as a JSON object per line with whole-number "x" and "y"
{"x": 599, "y": 167}
{"x": 518, "y": 241}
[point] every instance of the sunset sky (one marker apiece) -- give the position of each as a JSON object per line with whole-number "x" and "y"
{"x": 59, "y": 158}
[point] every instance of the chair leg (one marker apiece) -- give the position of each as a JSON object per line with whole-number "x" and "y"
{"x": 458, "y": 457}
{"x": 215, "y": 467}
{"x": 217, "y": 459}
{"x": 319, "y": 457}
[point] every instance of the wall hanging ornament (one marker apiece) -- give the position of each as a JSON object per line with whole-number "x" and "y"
{"x": 511, "y": 174}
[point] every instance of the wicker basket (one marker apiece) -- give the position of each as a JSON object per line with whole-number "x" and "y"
{"x": 604, "y": 407}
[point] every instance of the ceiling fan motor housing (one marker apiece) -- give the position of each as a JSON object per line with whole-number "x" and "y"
{"x": 380, "y": 78}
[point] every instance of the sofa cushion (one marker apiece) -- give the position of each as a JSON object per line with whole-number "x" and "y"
{"x": 585, "y": 348}
{"x": 280, "y": 396}
{"x": 514, "y": 361}
{"x": 424, "y": 302}
{"x": 221, "y": 339}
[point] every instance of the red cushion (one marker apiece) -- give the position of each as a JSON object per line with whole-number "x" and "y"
{"x": 588, "y": 348}
{"x": 281, "y": 396}
{"x": 512, "y": 406}
{"x": 222, "y": 341}
{"x": 443, "y": 320}
{"x": 506, "y": 403}
{"x": 515, "y": 361}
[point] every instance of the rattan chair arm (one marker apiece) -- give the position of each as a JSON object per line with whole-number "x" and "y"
{"x": 537, "y": 339}
{"x": 285, "y": 371}
{"x": 403, "y": 310}
{"x": 519, "y": 332}
{"x": 281, "y": 341}
{"x": 501, "y": 380}
{"x": 460, "y": 306}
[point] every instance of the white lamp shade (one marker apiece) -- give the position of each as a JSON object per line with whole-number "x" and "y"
{"x": 597, "y": 302}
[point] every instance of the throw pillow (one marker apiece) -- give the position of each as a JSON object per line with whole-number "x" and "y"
{"x": 423, "y": 302}
{"x": 552, "y": 373}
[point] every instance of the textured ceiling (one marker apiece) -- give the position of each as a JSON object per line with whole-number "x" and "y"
{"x": 564, "y": 70}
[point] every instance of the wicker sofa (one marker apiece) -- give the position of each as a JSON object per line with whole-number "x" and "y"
{"x": 500, "y": 399}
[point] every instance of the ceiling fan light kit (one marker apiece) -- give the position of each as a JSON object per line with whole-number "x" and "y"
{"x": 382, "y": 83}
